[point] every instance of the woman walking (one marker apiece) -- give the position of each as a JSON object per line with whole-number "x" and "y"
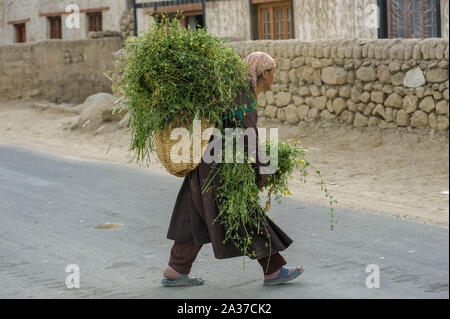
{"x": 192, "y": 223}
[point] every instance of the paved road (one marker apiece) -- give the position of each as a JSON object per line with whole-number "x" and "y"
{"x": 49, "y": 207}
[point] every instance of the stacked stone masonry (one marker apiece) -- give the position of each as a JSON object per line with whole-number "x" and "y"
{"x": 386, "y": 83}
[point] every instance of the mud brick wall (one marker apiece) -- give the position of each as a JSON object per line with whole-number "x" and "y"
{"x": 384, "y": 82}
{"x": 55, "y": 70}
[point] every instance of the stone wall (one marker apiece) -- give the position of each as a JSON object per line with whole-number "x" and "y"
{"x": 385, "y": 83}
{"x": 56, "y": 70}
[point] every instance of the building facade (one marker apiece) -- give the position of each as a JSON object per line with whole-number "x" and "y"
{"x": 235, "y": 20}
{"x": 35, "y": 20}
{"x": 307, "y": 19}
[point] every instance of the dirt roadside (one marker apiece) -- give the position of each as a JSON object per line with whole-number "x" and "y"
{"x": 401, "y": 173}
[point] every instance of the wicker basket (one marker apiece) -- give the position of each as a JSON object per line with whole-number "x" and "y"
{"x": 164, "y": 147}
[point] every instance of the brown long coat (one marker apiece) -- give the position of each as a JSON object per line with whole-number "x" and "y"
{"x": 194, "y": 212}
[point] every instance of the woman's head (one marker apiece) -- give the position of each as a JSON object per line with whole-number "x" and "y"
{"x": 261, "y": 70}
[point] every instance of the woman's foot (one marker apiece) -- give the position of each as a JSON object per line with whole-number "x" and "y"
{"x": 277, "y": 273}
{"x": 171, "y": 273}
{"x": 283, "y": 275}
{"x": 174, "y": 278}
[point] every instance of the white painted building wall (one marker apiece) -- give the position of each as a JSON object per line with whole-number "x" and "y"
{"x": 229, "y": 19}
{"x": 38, "y": 28}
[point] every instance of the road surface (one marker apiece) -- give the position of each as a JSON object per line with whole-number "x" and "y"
{"x": 50, "y": 206}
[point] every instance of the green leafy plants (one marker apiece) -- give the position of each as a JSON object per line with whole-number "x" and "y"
{"x": 291, "y": 158}
{"x": 239, "y": 197}
{"x": 172, "y": 74}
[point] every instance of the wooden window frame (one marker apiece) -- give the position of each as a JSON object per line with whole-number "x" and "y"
{"x": 55, "y": 33}
{"x": 272, "y": 6}
{"x": 98, "y": 16}
{"x": 20, "y": 30}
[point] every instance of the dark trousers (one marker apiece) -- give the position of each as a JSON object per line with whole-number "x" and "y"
{"x": 182, "y": 256}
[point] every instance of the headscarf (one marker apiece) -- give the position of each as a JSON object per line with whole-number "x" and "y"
{"x": 258, "y": 62}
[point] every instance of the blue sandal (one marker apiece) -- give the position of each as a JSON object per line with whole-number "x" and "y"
{"x": 284, "y": 276}
{"x": 182, "y": 280}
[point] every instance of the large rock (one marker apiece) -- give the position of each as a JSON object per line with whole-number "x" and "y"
{"x": 302, "y": 111}
{"x": 427, "y": 104}
{"x": 442, "y": 107}
{"x": 360, "y": 120}
{"x": 346, "y": 116}
{"x": 339, "y": 105}
{"x": 373, "y": 121}
{"x": 394, "y": 66}
{"x": 410, "y": 103}
{"x": 290, "y": 114}
{"x": 366, "y": 74}
{"x": 319, "y": 102}
{"x": 364, "y": 97}
{"x": 284, "y": 98}
{"x": 331, "y": 93}
{"x": 269, "y": 97}
{"x": 325, "y": 115}
{"x": 283, "y": 77}
{"x": 355, "y": 94}
{"x": 394, "y": 100}
{"x": 334, "y": 75}
{"x": 442, "y": 122}
{"x": 284, "y": 64}
{"x": 262, "y": 99}
{"x": 419, "y": 119}
{"x": 414, "y": 78}
{"x": 397, "y": 78}
{"x": 379, "y": 110}
{"x": 312, "y": 114}
{"x": 432, "y": 120}
{"x": 383, "y": 74}
{"x": 298, "y": 100}
{"x": 437, "y": 75}
{"x": 98, "y": 108}
{"x": 304, "y": 91}
{"x": 389, "y": 115}
{"x": 345, "y": 91}
{"x": 377, "y": 96}
{"x": 281, "y": 115}
{"x": 270, "y": 111}
{"x": 402, "y": 118}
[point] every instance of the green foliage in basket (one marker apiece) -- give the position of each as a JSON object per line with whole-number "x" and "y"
{"x": 172, "y": 74}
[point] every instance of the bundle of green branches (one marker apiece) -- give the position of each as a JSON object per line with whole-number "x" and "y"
{"x": 240, "y": 211}
{"x": 292, "y": 158}
{"x": 172, "y": 74}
